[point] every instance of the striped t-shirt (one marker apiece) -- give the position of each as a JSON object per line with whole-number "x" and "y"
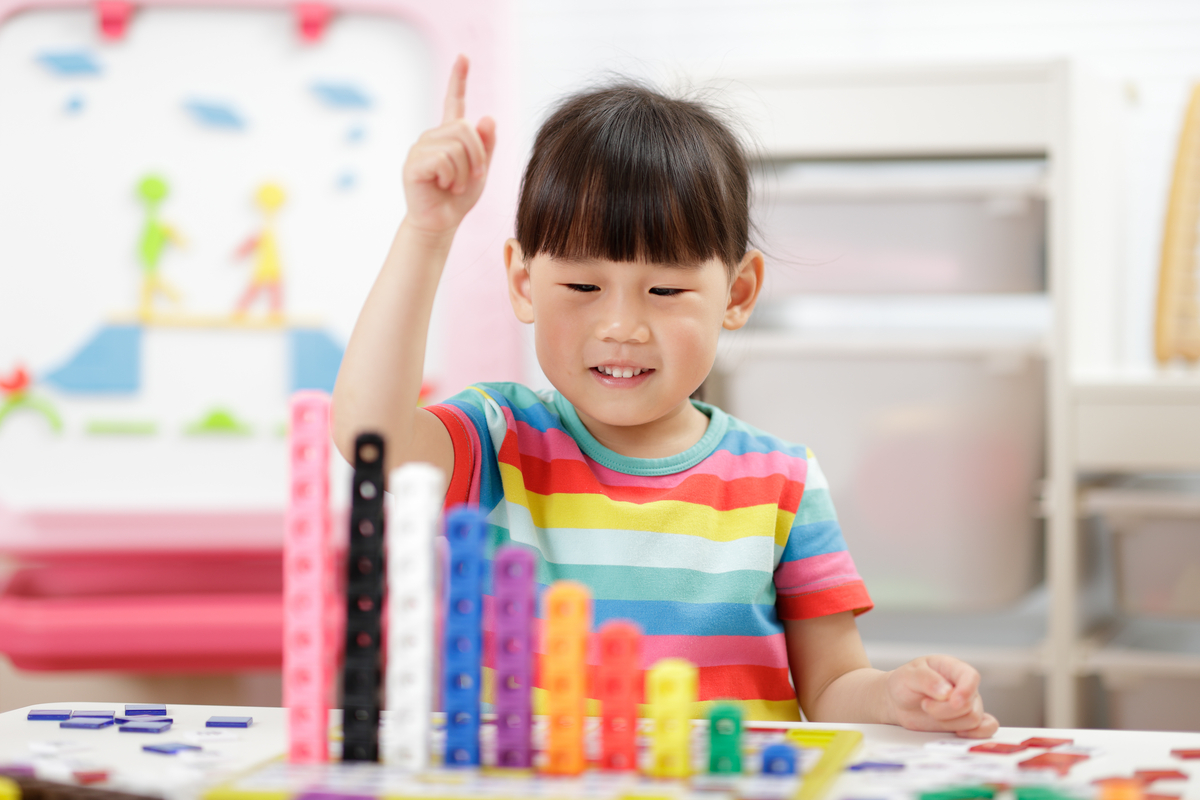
{"x": 706, "y": 550}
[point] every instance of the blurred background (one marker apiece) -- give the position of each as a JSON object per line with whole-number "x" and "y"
{"x": 980, "y": 313}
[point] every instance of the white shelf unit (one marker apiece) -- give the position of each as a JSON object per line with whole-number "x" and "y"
{"x": 1045, "y": 111}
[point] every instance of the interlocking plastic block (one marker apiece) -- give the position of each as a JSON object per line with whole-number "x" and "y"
{"x": 309, "y": 640}
{"x": 169, "y": 748}
{"x": 1060, "y": 762}
{"x": 998, "y": 748}
{"x": 670, "y": 693}
{"x": 1186, "y": 754}
{"x": 466, "y": 530}
{"x": 108, "y": 714}
{"x": 414, "y": 509}
{"x": 961, "y": 793}
{"x": 514, "y": 588}
{"x": 229, "y": 722}
{"x": 725, "y": 738}
{"x": 49, "y": 714}
{"x": 87, "y": 723}
{"x": 876, "y": 766}
{"x": 568, "y": 618}
{"x": 618, "y": 681}
{"x": 1048, "y": 743}
{"x": 146, "y": 726}
{"x": 779, "y": 760}
{"x": 362, "y": 664}
{"x": 145, "y": 709}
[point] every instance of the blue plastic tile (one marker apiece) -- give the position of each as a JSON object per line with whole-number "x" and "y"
{"x": 108, "y": 714}
{"x": 146, "y": 726}
{"x": 142, "y": 709}
{"x": 169, "y": 748}
{"x": 87, "y": 723}
{"x": 49, "y": 713}
{"x": 779, "y": 759}
{"x": 126, "y": 718}
{"x": 229, "y": 722}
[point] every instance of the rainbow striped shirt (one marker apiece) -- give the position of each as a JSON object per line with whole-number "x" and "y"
{"x": 706, "y": 550}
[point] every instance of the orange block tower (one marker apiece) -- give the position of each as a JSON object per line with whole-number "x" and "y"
{"x": 567, "y": 620}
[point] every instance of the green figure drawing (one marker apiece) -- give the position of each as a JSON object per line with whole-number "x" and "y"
{"x": 156, "y": 235}
{"x": 15, "y": 389}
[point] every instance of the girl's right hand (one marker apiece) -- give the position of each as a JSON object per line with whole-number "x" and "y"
{"x": 447, "y": 168}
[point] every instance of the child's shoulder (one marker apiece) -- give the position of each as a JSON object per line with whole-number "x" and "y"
{"x": 741, "y": 437}
{"x": 525, "y": 404}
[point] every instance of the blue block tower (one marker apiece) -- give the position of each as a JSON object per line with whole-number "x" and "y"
{"x": 465, "y": 532}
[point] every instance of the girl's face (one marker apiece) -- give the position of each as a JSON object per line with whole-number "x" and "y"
{"x": 627, "y": 342}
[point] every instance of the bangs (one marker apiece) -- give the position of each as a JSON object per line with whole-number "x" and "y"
{"x": 625, "y": 174}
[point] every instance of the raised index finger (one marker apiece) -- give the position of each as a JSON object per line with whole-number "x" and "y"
{"x": 456, "y": 92}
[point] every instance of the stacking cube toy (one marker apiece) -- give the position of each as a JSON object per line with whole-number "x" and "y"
{"x": 515, "y": 590}
{"x": 568, "y": 618}
{"x": 617, "y": 689}
{"x": 465, "y": 533}
{"x": 671, "y": 691}
{"x": 725, "y": 739}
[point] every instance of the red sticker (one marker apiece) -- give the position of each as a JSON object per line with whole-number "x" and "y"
{"x": 1148, "y": 776}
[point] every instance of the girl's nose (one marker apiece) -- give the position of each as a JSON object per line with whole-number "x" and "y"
{"x": 622, "y": 320}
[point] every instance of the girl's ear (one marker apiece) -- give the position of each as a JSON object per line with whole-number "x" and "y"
{"x": 519, "y": 291}
{"x": 743, "y": 292}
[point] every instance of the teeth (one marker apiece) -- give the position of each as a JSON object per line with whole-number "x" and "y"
{"x": 621, "y": 372}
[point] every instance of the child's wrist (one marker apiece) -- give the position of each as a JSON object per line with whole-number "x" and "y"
{"x": 432, "y": 239}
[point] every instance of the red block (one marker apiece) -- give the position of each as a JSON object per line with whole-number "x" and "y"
{"x": 1060, "y": 762}
{"x": 618, "y": 680}
{"x": 999, "y": 748}
{"x": 1186, "y": 754}
{"x": 114, "y": 18}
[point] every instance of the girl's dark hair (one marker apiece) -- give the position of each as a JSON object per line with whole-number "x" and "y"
{"x": 625, "y": 174}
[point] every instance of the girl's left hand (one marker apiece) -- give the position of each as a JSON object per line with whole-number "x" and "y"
{"x": 939, "y": 693}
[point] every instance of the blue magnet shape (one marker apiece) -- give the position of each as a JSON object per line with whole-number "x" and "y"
{"x": 87, "y": 723}
{"x": 70, "y": 62}
{"x": 316, "y": 359}
{"x": 142, "y": 709}
{"x": 229, "y": 722}
{"x": 215, "y": 115}
{"x": 49, "y": 713}
{"x": 110, "y": 363}
{"x": 779, "y": 760}
{"x": 169, "y": 749}
{"x": 93, "y": 713}
{"x": 146, "y": 726}
{"x": 340, "y": 95}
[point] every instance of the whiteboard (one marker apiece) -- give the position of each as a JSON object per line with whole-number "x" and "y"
{"x": 73, "y": 147}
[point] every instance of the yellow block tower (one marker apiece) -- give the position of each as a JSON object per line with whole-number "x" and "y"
{"x": 670, "y": 692}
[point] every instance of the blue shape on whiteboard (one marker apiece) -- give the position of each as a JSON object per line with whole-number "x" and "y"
{"x": 70, "y": 62}
{"x": 74, "y": 104}
{"x": 215, "y": 115}
{"x": 341, "y": 95}
{"x": 110, "y": 363}
{"x": 316, "y": 358}
{"x": 356, "y": 134}
{"x": 346, "y": 181}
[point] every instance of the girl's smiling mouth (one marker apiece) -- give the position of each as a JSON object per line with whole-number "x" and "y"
{"x": 617, "y": 375}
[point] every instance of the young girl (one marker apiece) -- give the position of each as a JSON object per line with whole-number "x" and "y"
{"x": 718, "y": 539}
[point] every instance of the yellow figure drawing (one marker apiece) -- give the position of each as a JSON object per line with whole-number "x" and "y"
{"x": 267, "y": 272}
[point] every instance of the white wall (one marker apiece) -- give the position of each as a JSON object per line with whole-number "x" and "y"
{"x": 1151, "y": 48}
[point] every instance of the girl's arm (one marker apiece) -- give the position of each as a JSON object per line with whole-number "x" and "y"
{"x": 835, "y": 683}
{"x": 380, "y": 378}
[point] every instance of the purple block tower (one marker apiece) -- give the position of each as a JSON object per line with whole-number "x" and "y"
{"x": 515, "y": 590}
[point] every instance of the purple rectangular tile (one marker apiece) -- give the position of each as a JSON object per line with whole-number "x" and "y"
{"x": 93, "y": 713}
{"x": 143, "y": 709}
{"x": 49, "y": 713}
{"x": 87, "y": 723}
{"x": 146, "y": 726}
{"x": 169, "y": 748}
{"x": 229, "y": 722}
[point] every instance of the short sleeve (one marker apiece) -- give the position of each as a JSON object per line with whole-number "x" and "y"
{"x": 816, "y": 575}
{"x": 469, "y": 417}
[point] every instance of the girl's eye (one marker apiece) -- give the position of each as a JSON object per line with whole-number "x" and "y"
{"x": 664, "y": 292}
{"x": 582, "y": 287}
